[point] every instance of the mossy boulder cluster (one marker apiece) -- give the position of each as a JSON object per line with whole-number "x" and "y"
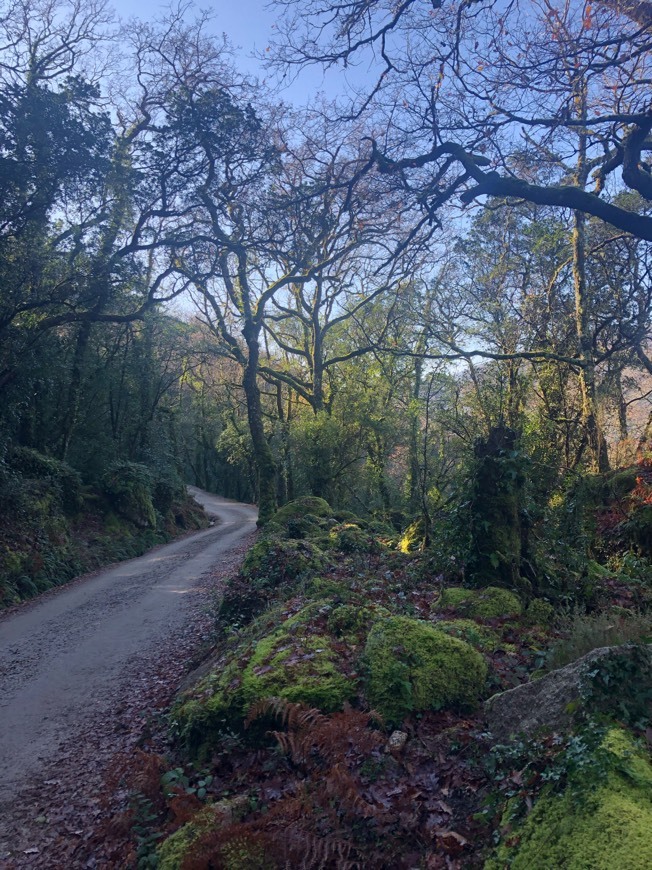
{"x": 328, "y": 654}
{"x": 305, "y": 637}
{"x": 323, "y": 626}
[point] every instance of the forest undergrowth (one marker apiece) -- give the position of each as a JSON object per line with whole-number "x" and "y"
{"x": 339, "y": 721}
{"x": 54, "y": 527}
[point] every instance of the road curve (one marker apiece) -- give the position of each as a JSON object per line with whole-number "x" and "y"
{"x": 59, "y": 657}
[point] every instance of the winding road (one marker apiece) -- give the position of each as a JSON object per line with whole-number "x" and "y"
{"x": 62, "y": 657}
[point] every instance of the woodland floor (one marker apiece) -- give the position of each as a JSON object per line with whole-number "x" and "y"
{"x": 64, "y": 744}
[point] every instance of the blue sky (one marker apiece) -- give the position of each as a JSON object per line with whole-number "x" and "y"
{"x": 249, "y": 26}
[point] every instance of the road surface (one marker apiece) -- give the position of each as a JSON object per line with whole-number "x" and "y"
{"x": 62, "y": 657}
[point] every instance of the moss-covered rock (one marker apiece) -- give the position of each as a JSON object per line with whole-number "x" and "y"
{"x": 295, "y": 662}
{"x": 326, "y": 587}
{"x": 349, "y": 517}
{"x": 272, "y": 561}
{"x": 540, "y": 612}
{"x": 308, "y": 504}
{"x": 412, "y": 666}
{"x": 298, "y": 667}
{"x": 490, "y": 603}
{"x": 481, "y": 637}
{"x": 350, "y": 538}
{"x": 602, "y": 820}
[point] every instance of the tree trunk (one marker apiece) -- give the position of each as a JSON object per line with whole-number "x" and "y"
{"x": 593, "y": 433}
{"x": 74, "y": 389}
{"x": 594, "y": 436}
{"x": 263, "y": 457}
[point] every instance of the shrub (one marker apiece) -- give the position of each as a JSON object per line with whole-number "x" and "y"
{"x": 128, "y": 486}
{"x": 166, "y": 490}
{"x": 583, "y": 633}
{"x": 67, "y": 482}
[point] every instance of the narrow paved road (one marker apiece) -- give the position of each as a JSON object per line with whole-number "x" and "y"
{"x": 61, "y": 657}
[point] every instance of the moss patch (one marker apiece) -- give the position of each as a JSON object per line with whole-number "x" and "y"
{"x": 479, "y": 636}
{"x": 174, "y": 850}
{"x": 601, "y": 821}
{"x": 296, "y": 662}
{"x": 309, "y": 504}
{"x": 490, "y": 603}
{"x": 346, "y": 620}
{"x": 412, "y": 666}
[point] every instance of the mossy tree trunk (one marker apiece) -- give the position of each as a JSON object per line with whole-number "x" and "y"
{"x": 497, "y": 530}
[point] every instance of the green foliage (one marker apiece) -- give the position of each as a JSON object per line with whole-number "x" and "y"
{"x": 411, "y": 666}
{"x": 128, "y": 486}
{"x": 619, "y": 686}
{"x": 488, "y": 603}
{"x": 36, "y": 466}
{"x": 413, "y": 537}
{"x": 581, "y": 633}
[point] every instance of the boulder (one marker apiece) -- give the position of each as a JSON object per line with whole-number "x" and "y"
{"x": 615, "y": 681}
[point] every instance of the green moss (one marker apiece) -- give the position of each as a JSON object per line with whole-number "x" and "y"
{"x": 600, "y": 823}
{"x": 351, "y": 619}
{"x": 411, "y": 666}
{"x": 293, "y": 662}
{"x": 325, "y": 587}
{"x": 540, "y": 612}
{"x": 296, "y": 668}
{"x": 309, "y": 504}
{"x": 479, "y": 636}
{"x": 349, "y": 538}
{"x": 173, "y": 851}
{"x": 490, "y": 603}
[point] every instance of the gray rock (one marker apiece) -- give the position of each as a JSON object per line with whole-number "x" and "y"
{"x": 550, "y": 703}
